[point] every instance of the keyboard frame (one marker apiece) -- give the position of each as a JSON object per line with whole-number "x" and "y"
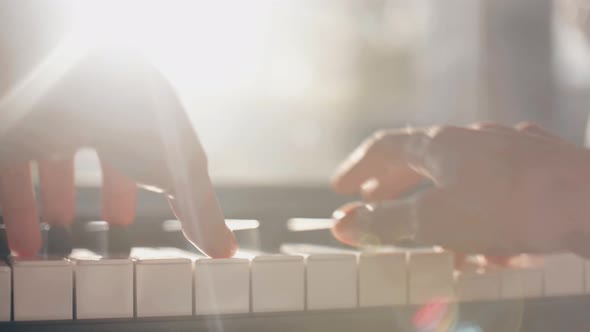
{"x": 274, "y": 206}
{"x": 569, "y": 313}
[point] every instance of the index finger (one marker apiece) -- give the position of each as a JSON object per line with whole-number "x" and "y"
{"x": 195, "y": 203}
{"x": 19, "y": 209}
{"x": 203, "y": 223}
{"x": 163, "y": 153}
{"x": 193, "y": 197}
{"x": 434, "y": 217}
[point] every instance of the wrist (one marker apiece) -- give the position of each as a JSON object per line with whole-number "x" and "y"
{"x": 573, "y": 200}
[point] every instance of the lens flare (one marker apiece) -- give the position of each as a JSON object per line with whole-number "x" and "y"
{"x": 438, "y": 315}
{"x": 468, "y": 327}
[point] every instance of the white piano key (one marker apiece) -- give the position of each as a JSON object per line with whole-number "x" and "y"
{"x": 104, "y": 288}
{"x": 522, "y": 279}
{"x": 150, "y": 253}
{"x": 167, "y": 252}
{"x": 171, "y": 252}
{"x": 331, "y": 281}
{"x": 383, "y": 279}
{"x": 278, "y": 283}
{"x": 5, "y": 291}
{"x": 43, "y": 290}
{"x": 521, "y": 283}
{"x": 306, "y": 249}
{"x": 163, "y": 287}
{"x": 478, "y": 285}
{"x": 222, "y": 286}
{"x": 563, "y": 274}
{"x": 430, "y": 274}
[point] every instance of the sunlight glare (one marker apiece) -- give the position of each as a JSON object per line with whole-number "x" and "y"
{"x": 213, "y": 46}
{"x": 26, "y": 93}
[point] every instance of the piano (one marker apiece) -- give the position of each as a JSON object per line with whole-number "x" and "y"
{"x": 310, "y": 284}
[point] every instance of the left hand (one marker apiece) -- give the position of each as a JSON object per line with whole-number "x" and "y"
{"x": 124, "y": 109}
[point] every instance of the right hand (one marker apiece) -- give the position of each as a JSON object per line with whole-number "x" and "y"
{"x": 497, "y": 190}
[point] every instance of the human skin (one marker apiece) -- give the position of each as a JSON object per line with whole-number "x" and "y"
{"x": 497, "y": 190}
{"x": 125, "y": 110}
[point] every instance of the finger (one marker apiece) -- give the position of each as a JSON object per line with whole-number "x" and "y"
{"x": 172, "y": 160}
{"x": 119, "y": 196}
{"x": 433, "y": 153}
{"x": 440, "y": 153}
{"x": 58, "y": 191}
{"x": 197, "y": 207}
{"x": 358, "y": 225}
{"x": 379, "y": 155}
{"x": 19, "y": 209}
{"x": 346, "y": 229}
{"x": 193, "y": 197}
{"x": 431, "y": 217}
{"x": 498, "y": 260}
{"x": 391, "y": 186}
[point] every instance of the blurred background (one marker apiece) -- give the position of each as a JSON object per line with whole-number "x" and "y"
{"x": 281, "y": 91}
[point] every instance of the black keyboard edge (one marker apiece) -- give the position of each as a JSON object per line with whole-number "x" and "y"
{"x": 569, "y": 313}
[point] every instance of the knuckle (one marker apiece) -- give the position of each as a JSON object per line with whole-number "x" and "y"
{"x": 525, "y": 125}
{"x": 485, "y": 125}
{"x": 380, "y": 135}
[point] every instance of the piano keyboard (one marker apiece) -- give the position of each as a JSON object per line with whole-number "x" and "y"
{"x": 151, "y": 285}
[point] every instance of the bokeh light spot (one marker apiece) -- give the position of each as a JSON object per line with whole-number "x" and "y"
{"x": 436, "y": 315}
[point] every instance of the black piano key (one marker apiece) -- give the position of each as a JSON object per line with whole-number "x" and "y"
{"x": 57, "y": 241}
{"x": 93, "y": 236}
{"x": 118, "y": 241}
{"x": 4, "y": 248}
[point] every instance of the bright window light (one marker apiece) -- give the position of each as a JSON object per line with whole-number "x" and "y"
{"x": 216, "y": 47}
